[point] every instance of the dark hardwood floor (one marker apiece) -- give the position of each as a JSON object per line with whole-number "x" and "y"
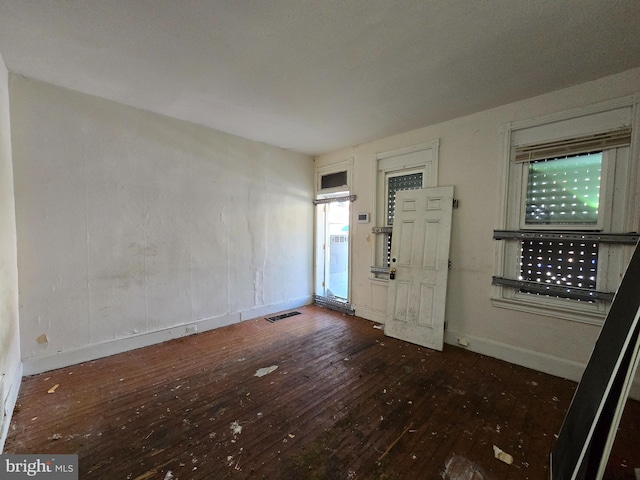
{"x": 345, "y": 402}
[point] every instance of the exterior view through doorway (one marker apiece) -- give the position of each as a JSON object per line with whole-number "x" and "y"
{"x": 332, "y": 250}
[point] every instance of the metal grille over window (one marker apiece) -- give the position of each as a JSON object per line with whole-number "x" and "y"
{"x": 570, "y": 264}
{"x": 402, "y": 182}
{"x": 564, "y": 191}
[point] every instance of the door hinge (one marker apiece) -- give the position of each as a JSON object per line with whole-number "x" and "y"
{"x": 456, "y": 203}
{"x": 449, "y": 264}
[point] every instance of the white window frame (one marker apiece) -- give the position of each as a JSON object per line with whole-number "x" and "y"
{"x": 345, "y": 165}
{"x": 619, "y": 204}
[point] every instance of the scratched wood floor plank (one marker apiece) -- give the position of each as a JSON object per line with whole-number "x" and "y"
{"x": 345, "y": 402}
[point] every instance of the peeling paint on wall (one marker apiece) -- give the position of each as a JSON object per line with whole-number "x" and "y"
{"x": 134, "y": 222}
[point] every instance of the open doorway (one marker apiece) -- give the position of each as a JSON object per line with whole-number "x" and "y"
{"x": 332, "y": 248}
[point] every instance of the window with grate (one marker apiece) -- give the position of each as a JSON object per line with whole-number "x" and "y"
{"x": 564, "y": 191}
{"x": 568, "y": 195}
{"x": 388, "y": 250}
{"x": 395, "y": 183}
{"x": 561, "y": 263}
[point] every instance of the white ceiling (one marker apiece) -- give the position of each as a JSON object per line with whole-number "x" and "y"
{"x": 318, "y": 75}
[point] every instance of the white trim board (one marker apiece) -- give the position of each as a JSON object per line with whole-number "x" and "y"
{"x": 12, "y": 383}
{"x": 550, "y": 364}
{"x": 92, "y": 352}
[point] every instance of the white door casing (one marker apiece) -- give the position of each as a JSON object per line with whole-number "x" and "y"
{"x": 420, "y": 256}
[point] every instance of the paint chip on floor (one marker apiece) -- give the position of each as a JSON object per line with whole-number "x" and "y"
{"x": 236, "y": 428}
{"x": 261, "y": 372}
{"x": 502, "y": 456}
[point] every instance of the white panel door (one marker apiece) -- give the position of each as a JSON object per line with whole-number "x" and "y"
{"x": 420, "y": 258}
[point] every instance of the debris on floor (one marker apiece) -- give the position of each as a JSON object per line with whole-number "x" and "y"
{"x": 502, "y": 456}
{"x": 53, "y": 389}
{"x": 394, "y": 442}
{"x": 169, "y": 475}
{"x": 460, "y": 468}
{"x": 236, "y": 428}
{"x": 261, "y": 372}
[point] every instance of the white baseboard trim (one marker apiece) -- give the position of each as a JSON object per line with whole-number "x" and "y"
{"x": 12, "y": 385}
{"x": 551, "y": 364}
{"x": 88, "y": 353}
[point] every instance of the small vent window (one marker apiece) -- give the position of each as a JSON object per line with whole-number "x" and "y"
{"x": 332, "y": 180}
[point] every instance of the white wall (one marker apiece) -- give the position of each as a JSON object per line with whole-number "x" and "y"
{"x": 131, "y": 225}
{"x": 10, "y": 365}
{"x": 470, "y": 156}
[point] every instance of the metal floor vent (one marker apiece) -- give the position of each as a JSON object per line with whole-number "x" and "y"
{"x": 282, "y": 315}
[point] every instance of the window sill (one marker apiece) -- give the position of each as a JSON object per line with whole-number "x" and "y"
{"x": 547, "y": 308}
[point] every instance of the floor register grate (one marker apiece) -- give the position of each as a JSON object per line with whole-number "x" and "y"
{"x": 281, "y": 316}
